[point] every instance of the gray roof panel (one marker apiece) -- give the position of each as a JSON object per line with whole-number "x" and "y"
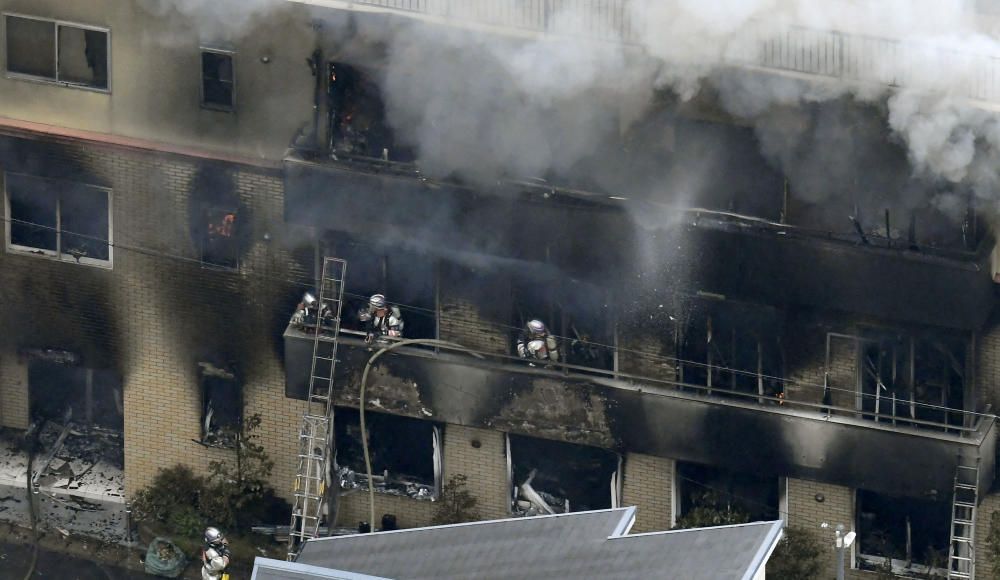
{"x": 580, "y": 546}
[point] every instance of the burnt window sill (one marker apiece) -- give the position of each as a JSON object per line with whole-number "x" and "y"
{"x": 51, "y": 255}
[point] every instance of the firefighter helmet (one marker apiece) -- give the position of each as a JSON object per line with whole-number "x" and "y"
{"x": 213, "y": 536}
{"x": 377, "y": 301}
{"x": 536, "y": 327}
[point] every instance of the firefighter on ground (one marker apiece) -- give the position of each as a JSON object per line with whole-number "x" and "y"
{"x": 381, "y": 320}
{"x": 536, "y": 343}
{"x": 214, "y": 556}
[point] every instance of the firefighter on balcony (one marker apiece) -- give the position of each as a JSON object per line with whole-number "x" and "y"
{"x": 381, "y": 320}
{"x": 309, "y": 310}
{"x": 215, "y": 556}
{"x": 535, "y": 343}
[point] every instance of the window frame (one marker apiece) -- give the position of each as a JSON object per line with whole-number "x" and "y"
{"x": 58, "y": 254}
{"x": 56, "y": 25}
{"x": 201, "y": 79}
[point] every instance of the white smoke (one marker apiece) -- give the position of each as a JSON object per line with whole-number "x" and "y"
{"x": 482, "y": 105}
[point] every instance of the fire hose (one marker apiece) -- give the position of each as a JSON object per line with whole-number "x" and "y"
{"x": 443, "y": 344}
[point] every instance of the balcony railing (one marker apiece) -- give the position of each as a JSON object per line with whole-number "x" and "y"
{"x": 876, "y": 408}
{"x": 848, "y": 57}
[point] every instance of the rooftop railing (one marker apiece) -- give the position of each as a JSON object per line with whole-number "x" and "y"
{"x": 848, "y": 57}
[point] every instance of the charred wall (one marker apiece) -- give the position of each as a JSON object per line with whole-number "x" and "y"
{"x": 159, "y": 309}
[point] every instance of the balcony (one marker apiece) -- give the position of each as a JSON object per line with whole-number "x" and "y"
{"x": 741, "y": 431}
{"x": 762, "y": 45}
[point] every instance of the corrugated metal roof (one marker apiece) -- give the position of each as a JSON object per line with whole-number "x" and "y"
{"x": 580, "y": 546}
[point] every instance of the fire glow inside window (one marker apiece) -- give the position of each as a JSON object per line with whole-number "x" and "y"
{"x": 220, "y": 245}
{"x": 61, "y": 219}
{"x": 217, "y": 80}
{"x": 71, "y": 54}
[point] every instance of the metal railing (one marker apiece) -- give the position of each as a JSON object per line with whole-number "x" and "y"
{"x": 832, "y": 54}
{"x": 791, "y": 396}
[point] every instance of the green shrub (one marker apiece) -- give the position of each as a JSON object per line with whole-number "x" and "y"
{"x": 456, "y": 504}
{"x": 797, "y": 557}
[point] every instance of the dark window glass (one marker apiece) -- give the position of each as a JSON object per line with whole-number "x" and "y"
{"x": 84, "y": 212}
{"x": 217, "y": 79}
{"x": 33, "y": 209}
{"x": 904, "y": 528}
{"x": 83, "y": 56}
{"x": 31, "y": 47}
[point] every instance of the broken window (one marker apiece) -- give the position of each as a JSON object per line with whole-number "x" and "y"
{"x": 407, "y": 279}
{"x": 67, "y": 220}
{"x": 709, "y": 496}
{"x": 405, "y": 453}
{"x": 357, "y": 122}
{"x": 896, "y": 376}
{"x": 575, "y": 312}
{"x": 217, "y": 79}
{"x": 551, "y": 477}
{"x": 222, "y": 405}
{"x": 220, "y": 243}
{"x": 730, "y": 346}
{"x": 87, "y": 397}
{"x": 907, "y": 531}
{"x": 67, "y": 53}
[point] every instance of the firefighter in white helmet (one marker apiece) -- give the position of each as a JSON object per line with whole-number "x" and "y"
{"x": 215, "y": 555}
{"x": 535, "y": 342}
{"x": 381, "y": 319}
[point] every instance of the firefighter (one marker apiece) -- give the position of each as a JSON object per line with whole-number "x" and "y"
{"x": 215, "y": 555}
{"x": 536, "y": 343}
{"x": 381, "y": 320}
{"x": 307, "y": 312}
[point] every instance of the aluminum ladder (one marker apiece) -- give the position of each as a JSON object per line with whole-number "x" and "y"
{"x": 961, "y": 547}
{"x": 316, "y": 444}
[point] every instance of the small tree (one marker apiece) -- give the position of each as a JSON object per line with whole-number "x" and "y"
{"x": 234, "y": 484}
{"x": 993, "y": 545}
{"x": 797, "y": 557}
{"x": 456, "y": 504}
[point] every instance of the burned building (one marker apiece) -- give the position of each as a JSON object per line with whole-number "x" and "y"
{"x": 173, "y": 182}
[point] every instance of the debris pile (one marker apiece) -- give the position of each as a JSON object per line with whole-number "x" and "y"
{"x": 399, "y": 485}
{"x": 88, "y": 459}
{"x": 532, "y": 502}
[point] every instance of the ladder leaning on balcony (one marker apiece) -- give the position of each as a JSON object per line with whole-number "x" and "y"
{"x": 316, "y": 444}
{"x": 961, "y": 548}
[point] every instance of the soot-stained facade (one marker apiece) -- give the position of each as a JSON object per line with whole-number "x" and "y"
{"x": 848, "y": 365}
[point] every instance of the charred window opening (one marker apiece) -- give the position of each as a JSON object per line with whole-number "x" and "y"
{"x": 357, "y": 121}
{"x": 67, "y": 220}
{"x": 907, "y": 531}
{"x": 713, "y": 496}
{"x": 218, "y": 80}
{"x": 575, "y": 312}
{"x": 222, "y": 405}
{"x": 731, "y": 346}
{"x": 899, "y": 376}
{"x": 220, "y": 242}
{"x": 72, "y": 54}
{"x": 407, "y": 279}
{"x": 405, "y": 453}
{"x": 87, "y": 397}
{"x": 550, "y": 477}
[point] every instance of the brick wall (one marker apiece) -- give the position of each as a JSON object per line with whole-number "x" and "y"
{"x": 648, "y": 485}
{"x": 158, "y": 312}
{"x": 485, "y": 466}
{"x": 13, "y": 391}
{"x": 486, "y": 469}
{"x": 837, "y": 507}
{"x": 475, "y": 309}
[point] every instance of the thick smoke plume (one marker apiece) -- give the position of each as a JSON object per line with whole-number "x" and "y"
{"x": 482, "y": 106}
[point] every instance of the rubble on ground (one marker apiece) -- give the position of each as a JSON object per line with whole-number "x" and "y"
{"x": 350, "y": 479}
{"x": 80, "y": 484}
